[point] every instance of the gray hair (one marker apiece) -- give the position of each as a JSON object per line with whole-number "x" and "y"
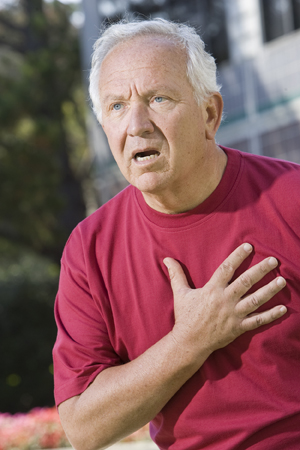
{"x": 201, "y": 66}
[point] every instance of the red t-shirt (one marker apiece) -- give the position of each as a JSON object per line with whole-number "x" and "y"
{"x": 115, "y": 301}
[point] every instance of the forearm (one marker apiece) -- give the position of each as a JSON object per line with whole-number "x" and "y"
{"x": 122, "y": 399}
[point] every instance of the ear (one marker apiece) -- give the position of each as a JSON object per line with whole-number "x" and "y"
{"x": 213, "y": 111}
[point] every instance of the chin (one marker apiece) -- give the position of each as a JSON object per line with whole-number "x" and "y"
{"x": 148, "y": 182}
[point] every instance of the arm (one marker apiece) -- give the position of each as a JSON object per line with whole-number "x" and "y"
{"x": 124, "y": 398}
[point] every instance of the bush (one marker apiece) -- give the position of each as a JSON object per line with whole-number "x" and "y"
{"x": 28, "y": 285}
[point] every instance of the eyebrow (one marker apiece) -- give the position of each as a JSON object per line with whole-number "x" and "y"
{"x": 111, "y": 97}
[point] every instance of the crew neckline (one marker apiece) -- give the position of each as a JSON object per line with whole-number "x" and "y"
{"x": 206, "y": 208}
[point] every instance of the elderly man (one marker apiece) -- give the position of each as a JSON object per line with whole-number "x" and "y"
{"x": 179, "y": 298}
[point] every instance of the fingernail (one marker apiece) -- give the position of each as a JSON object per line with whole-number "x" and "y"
{"x": 273, "y": 261}
{"x": 281, "y": 282}
{"x": 248, "y": 248}
{"x": 165, "y": 261}
{"x": 283, "y": 309}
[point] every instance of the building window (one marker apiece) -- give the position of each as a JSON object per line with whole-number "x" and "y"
{"x": 279, "y": 17}
{"x": 296, "y": 13}
{"x": 207, "y": 16}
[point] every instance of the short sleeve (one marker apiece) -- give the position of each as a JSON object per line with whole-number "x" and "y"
{"x": 82, "y": 348}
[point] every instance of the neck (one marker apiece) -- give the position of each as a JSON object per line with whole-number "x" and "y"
{"x": 196, "y": 189}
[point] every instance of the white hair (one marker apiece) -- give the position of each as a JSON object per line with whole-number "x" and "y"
{"x": 201, "y": 66}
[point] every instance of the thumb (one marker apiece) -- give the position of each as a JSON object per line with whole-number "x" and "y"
{"x": 176, "y": 274}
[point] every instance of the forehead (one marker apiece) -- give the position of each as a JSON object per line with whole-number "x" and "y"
{"x": 147, "y": 58}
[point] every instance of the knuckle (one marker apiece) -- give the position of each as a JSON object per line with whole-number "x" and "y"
{"x": 263, "y": 267}
{"x": 246, "y": 280}
{"x": 182, "y": 291}
{"x": 259, "y": 320}
{"x": 246, "y": 326}
{"x": 255, "y": 301}
{"x": 172, "y": 275}
{"x": 227, "y": 268}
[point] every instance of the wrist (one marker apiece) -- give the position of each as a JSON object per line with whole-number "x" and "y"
{"x": 190, "y": 353}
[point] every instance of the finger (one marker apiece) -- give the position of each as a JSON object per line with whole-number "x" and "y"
{"x": 225, "y": 271}
{"x": 253, "y": 301}
{"x": 250, "y": 277}
{"x": 257, "y": 320}
{"x": 176, "y": 274}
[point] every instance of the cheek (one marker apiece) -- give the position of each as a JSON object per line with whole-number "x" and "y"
{"x": 114, "y": 141}
{"x": 180, "y": 136}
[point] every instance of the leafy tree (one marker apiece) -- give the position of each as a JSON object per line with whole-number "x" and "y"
{"x": 42, "y": 198}
{"x": 43, "y": 169}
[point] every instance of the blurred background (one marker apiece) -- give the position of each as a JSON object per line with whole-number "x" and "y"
{"x": 55, "y": 164}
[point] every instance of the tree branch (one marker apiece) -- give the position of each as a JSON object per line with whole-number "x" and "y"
{"x": 7, "y": 23}
{"x": 20, "y": 48}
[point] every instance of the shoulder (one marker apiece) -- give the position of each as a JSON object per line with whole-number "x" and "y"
{"x": 267, "y": 173}
{"x": 271, "y": 184}
{"x": 271, "y": 165}
{"x": 108, "y": 213}
{"x": 277, "y": 176}
{"x": 104, "y": 222}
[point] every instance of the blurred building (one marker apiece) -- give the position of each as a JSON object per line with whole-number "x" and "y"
{"x": 256, "y": 44}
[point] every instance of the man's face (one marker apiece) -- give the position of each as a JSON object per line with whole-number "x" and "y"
{"x": 154, "y": 126}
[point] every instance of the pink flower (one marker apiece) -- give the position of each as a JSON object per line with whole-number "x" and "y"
{"x": 41, "y": 428}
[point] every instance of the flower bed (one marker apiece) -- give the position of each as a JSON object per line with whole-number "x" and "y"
{"x": 40, "y": 428}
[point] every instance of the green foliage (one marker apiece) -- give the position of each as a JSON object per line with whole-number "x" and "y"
{"x": 43, "y": 164}
{"x": 28, "y": 284}
{"x": 39, "y": 157}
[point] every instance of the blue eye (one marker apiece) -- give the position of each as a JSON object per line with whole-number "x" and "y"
{"x": 159, "y": 99}
{"x": 117, "y": 106}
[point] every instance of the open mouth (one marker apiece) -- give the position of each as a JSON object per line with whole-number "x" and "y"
{"x": 147, "y": 155}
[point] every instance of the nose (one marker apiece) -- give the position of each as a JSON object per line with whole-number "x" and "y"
{"x": 139, "y": 121}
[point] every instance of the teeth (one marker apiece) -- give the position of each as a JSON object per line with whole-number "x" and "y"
{"x": 146, "y": 158}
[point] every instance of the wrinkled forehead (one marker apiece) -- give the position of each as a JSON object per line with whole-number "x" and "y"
{"x": 140, "y": 53}
{"x": 144, "y": 48}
